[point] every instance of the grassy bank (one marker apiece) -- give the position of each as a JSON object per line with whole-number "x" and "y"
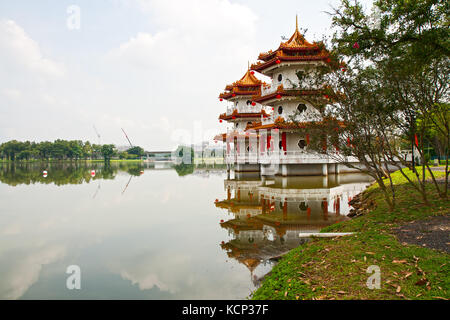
{"x": 336, "y": 268}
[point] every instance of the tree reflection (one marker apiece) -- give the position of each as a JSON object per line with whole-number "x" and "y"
{"x": 15, "y": 174}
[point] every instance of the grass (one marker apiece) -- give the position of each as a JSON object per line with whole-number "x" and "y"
{"x": 336, "y": 268}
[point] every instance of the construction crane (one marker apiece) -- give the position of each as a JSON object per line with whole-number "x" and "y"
{"x": 98, "y": 134}
{"x": 131, "y": 145}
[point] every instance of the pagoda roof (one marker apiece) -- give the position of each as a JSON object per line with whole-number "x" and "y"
{"x": 235, "y": 114}
{"x": 281, "y": 92}
{"x": 235, "y": 134}
{"x": 280, "y": 123}
{"x": 248, "y": 85}
{"x": 296, "y": 49}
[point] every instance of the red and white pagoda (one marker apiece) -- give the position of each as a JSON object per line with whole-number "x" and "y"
{"x": 279, "y": 147}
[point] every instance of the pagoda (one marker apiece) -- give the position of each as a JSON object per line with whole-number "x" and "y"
{"x": 241, "y": 113}
{"x": 294, "y": 99}
{"x": 276, "y": 140}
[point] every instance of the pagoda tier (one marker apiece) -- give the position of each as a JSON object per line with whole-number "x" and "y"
{"x": 248, "y": 85}
{"x": 281, "y": 124}
{"x": 236, "y": 134}
{"x": 296, "y": 50}
{"x": 236, "y": 114}
{"x": 281, "y": 93}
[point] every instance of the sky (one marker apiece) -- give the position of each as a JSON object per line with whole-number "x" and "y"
{"x": 152, "y": 67}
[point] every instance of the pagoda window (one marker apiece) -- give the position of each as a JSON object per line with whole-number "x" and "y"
{"x": 280, "y": 110}
{"x": 280, "y": 77}
{"x": 302, "y": 143}
{"x": 301, "y": 107}
{"x": 303, "y": 206}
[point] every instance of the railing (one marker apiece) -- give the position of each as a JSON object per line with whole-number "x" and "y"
{"x": 244, "y": 157}
{"x": 287, "y": 84}
{"x": 293, "y": 157}
{"x": 245, "y": 109}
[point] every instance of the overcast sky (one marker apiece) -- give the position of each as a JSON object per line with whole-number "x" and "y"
{"x": 153, "y": 67}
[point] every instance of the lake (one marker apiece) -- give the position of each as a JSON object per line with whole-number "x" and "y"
{"x": 144, "y": 231}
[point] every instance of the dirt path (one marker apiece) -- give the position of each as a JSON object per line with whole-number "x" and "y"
{"x": 433, "y": 233}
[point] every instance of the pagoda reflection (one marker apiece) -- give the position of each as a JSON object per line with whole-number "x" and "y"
{"x": 267, "y": 215}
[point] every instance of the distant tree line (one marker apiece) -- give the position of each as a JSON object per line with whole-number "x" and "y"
{"x": 64, "y": 150}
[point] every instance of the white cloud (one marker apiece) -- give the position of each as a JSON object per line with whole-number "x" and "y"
{"x": 18, "y": 50}
{"x": 21, "y": 268}
{"x": 197, "y": 48}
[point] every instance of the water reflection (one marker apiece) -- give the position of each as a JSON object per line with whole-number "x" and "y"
{"x": 152, "y": 231}
{"x": 267, "y": 215}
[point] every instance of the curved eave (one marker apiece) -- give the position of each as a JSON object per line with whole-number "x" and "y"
{"x": 265, "y": 56}
{"x": 285, "y": 93}
{"x": 262, "y": 66}
{"x": 286, "y": 125}
{"x": 240, "y": 116}
{"x": 223, "y": 136}
{"x": 229, "y": 95}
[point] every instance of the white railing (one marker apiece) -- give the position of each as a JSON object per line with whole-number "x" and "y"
{"x": 293, "y": 157}
{"x": 245, "y": 109}
{"x": 287, "y": 84}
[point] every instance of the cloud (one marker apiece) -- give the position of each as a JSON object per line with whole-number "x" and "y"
{"x": 180, "y": 68}
{"x": 18, "y": 50}
{"x": 163, "y": 78}
{"x": 21, "y": 268}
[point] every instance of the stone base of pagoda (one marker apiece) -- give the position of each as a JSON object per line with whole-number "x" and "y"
{"x": 306, "y": 169}
{"x": 247, "y": 167}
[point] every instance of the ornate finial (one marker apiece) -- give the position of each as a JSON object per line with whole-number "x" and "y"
{"x": 296, "y": 22}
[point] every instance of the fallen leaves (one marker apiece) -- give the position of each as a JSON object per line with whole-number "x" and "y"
{"x": 408, "y": 275}
{"x": 421, "y": 282}
{"x": 399, "y": 261}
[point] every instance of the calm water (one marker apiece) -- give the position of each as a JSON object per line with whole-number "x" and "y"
{"x": 146, "y": 232}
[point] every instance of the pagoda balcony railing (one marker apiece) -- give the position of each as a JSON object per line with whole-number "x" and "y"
{"x": 242, "y": 157}
{"x": 287, "y": 84}
{"x": 245, "y": 109}
{"x": 297, "y": 157}
{"x": 268, "y": 119}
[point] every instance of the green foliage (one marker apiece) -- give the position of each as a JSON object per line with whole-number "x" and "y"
{"x": 184, "y": 169}
{"x": 138, "y": 151}
{"x": 108, "y": 151}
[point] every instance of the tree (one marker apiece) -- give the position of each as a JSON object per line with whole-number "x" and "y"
{"x": 408, "y": 43}
{"x": 138, "y": 151}
{"x": 108, "y": 151}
